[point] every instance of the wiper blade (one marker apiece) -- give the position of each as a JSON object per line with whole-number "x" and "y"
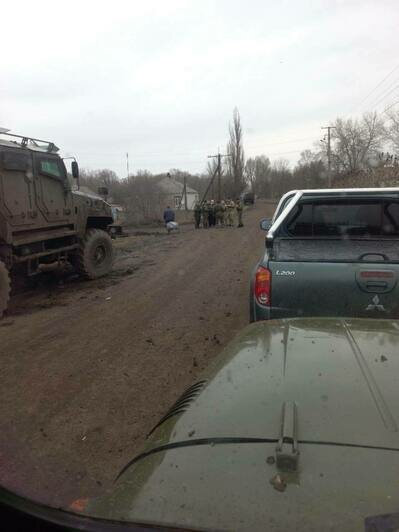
{"x": 235, "y": 440}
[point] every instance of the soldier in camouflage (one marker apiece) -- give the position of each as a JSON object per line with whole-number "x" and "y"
{"x": 219, "y": 213}
{"x": 230, "y": 212}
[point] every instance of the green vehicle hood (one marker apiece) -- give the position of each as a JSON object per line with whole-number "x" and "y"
{"x": 343, "y": 375}
{"x": 209, "y": 463}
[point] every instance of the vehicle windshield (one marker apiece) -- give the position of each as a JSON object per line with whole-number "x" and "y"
{"x": 199, "y": 263}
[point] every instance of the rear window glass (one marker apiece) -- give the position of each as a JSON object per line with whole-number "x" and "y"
{"x": 345, "y": 219}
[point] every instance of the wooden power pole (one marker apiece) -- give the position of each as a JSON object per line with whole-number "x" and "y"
{"x": 329, "y": 128}
{"x": 185, "y": 193}
{"x": 219, "y": 171}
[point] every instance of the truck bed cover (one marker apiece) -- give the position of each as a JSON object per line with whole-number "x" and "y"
{"x": 334, "y": 249}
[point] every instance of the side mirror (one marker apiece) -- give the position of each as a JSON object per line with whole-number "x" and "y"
{"x": 75, "y": 170}
{"x": 265, "y": 224}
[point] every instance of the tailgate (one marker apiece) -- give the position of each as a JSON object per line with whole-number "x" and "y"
{"x": 334, "y": 289}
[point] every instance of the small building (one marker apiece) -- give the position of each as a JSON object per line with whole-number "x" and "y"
{"x": 174, "y": 194}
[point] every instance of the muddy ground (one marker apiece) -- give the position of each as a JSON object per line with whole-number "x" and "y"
{"x": 87, "y": 368}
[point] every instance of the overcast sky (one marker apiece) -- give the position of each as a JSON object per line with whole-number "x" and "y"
{"x": 160, "y": 79}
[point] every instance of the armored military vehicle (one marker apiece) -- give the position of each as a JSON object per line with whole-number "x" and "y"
{"x": 42, "y": 220}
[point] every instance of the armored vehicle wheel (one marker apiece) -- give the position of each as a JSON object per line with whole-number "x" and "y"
{"x": 4, "y": 287}
{"x": 95, "y": 254}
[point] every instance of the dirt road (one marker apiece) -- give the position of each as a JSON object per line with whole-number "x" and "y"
{"x": 87, "y": 368}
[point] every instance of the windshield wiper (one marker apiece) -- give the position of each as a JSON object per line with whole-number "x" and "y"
{"x": 238, "y": 440}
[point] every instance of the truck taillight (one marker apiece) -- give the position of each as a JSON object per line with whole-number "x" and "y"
{"x": 263, "y": 283}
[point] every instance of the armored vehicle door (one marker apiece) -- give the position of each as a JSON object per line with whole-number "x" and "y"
{"x": 52, "y": 191}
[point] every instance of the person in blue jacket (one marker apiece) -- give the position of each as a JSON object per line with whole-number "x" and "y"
{"x": 168, "y": 215}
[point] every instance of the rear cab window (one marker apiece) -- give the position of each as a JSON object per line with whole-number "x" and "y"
{"x": 343, "y": 218}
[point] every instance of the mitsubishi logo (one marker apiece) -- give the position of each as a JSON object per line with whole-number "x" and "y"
{"x": 375, "y": 305}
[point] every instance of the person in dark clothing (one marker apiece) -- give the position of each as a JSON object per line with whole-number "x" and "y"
{"x": 239, "y": 209}
{"x": 197, "y": 214}
{"x": 205, "y": 215}
{"x": 168, "y": 215}
{"x": 212, "y": 214}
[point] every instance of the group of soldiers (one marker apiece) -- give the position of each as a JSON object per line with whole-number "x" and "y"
{"x": 218, "y": 213}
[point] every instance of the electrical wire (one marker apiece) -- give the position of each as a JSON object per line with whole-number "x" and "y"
{"x": 383, "y": 93}
{"x": 382, "y": 99}
{"x": 376, "y": 87}
{"x": 170, "y": 157}
{"x": 283, "y": 153}
{"x": 390, "y": 106}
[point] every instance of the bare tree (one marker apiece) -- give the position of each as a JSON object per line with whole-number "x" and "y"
{"x": 355, "y": 142}
{"x": 211, "y": 167}
{"x": 308, "y": 157}
{"x": 94, "y": 179}
{"x": 392, "y": 130}
{"x": 280, "y": 178}
{"x": 310, "y": 172}
{"x": 142, "y": 195}
{"x": 257, "y": 173}
{"x": 250, "y": 172}
{"x": 235, "y": 150}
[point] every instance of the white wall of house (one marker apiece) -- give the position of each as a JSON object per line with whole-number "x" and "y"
{"x": 191, "y": 201}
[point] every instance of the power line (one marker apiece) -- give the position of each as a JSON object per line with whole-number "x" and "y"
{"x": 283, "y": 153}
{"x": 377, "y": 86}
{"x": 283, "y": 142}
{"x": 382, "y": 99}
{"x": 142, "y": 155}
{"x": 384, "y": 92}
{"x": 390, "y": 106}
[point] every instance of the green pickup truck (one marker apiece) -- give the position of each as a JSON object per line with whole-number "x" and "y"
{"x": 294, "y": 427}
{"x": 330, "y": 253}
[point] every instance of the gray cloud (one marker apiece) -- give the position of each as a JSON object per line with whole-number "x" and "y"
{"x": 160, "y": 80}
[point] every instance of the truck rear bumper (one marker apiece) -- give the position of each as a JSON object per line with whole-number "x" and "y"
{"x": 257, "y": 312}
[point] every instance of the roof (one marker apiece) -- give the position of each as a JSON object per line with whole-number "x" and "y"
{"x": 332, "y": 191}
{"x": 171, "y": 186}
{"x": 25, "y": 142}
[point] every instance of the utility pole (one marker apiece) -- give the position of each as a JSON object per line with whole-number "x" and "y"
{"x": 219, "y": 171}
{"x": 185, "y": 192}
{"x": 210, "y": 184}
{"x": 329, "y": 128}
{"x": 127, "y": 164}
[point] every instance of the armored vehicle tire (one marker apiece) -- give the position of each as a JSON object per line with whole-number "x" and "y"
{"x": 4, "y": 287}
{"x": 95, "y": 254}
